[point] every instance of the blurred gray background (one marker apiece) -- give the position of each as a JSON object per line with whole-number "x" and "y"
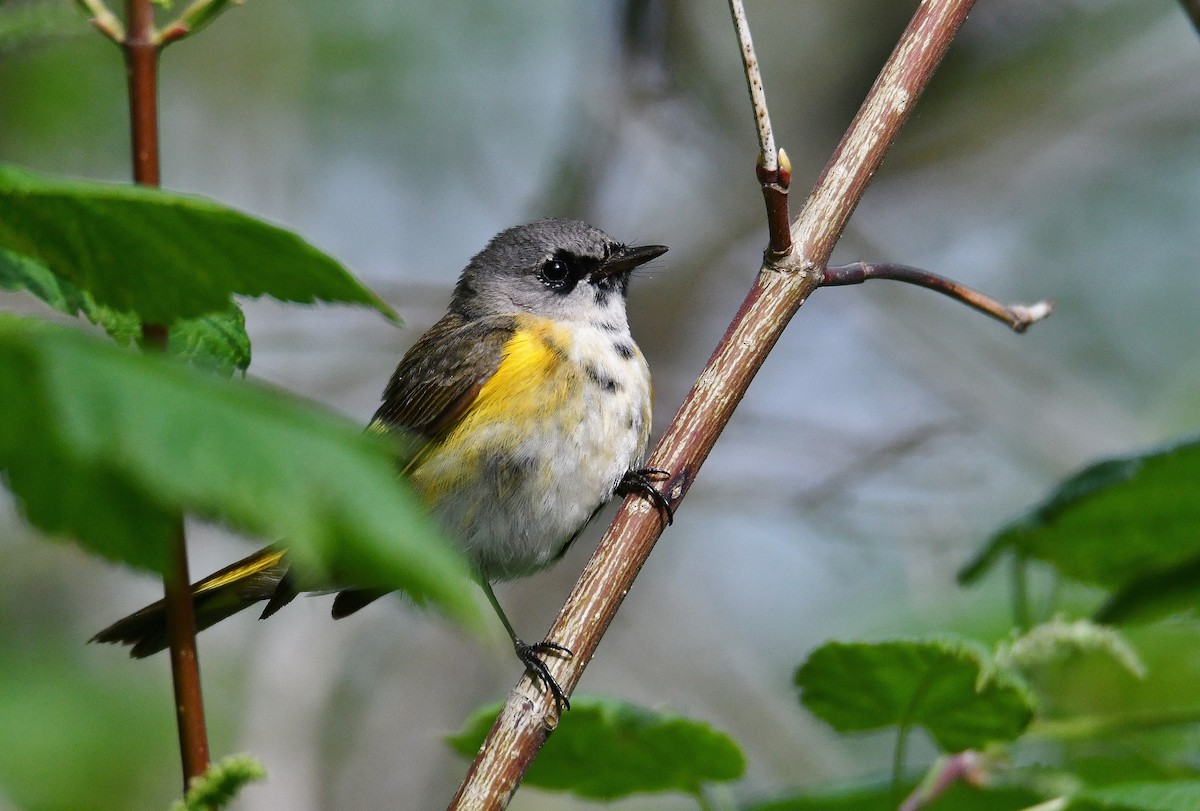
{"x": 1055, "y": 155}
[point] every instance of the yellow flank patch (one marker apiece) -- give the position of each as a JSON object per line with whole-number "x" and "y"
{"x": 251, "y": 567}
{"x": 532, "y": 385}
{"x": 533, "y": 380}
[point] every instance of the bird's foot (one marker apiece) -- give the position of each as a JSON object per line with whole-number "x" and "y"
{"x": 641, "y": 482}
{"x": 531, "y": 657}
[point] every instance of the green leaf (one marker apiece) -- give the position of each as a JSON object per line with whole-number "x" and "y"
{"x": 216, "y": 342}
{"x": 107, "y": 446}
{"x": 1183, "y": 795}
{"x": 57, "y": 720}
{"x": 1113, "y": 523}
{"x": 1058, "y": 639}
{"x": 159, "y": 255}
{"x": 878, "y": 797}
{"x": 220, "y": 783}
{"x": 605, "y": 749}
{"x": 26, "y": 23}
{"x": 946, "y": 686}
{"x": 1173, "y": 590}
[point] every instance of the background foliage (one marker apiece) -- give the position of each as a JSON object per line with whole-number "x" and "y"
{"x": 891, "y": 434}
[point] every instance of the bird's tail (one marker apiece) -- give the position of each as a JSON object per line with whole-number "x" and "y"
{"x": 261, "y": 576}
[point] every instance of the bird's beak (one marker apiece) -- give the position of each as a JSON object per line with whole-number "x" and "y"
{"x": 626, "y": 259}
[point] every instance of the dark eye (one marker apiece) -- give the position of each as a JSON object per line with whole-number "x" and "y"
{"x": 555, "y": 274}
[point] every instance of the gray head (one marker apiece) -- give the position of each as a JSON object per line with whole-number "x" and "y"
{"x": 559, "y": 268}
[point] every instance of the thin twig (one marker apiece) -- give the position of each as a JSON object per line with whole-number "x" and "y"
{"x": 758, "y": 96}
{"x": 774, "y": 170}
{"x": 103, "y": 19}
{"x": 141, "y": 61}
{"x": 197, "y": 15}
{"x": 780, "y": 289}
{"x": 775, "y": 186}
{"x": 1017, "y": 316}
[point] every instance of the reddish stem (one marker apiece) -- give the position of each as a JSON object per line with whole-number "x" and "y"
{"x": 775, "y": 185}
{"x": 1017, "y": 316}
{"x": 141, "y": 64}
{"x": 185, "y": 665}
{"x": 141, "y": 68}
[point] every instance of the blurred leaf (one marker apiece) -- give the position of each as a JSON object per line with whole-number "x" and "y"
{"x": 1058, "y": 639}
{"x": 878, "y": 797}
{"x": 1159, "y": 594}
{"x": 1114, "y": 522}
{"x": 25, "y": 22}
{"x": 605, "y": 749}
{"x": 216, "y": 342}
{"x": 1161, "y": 796}
{"x": 107, "y": 446}
{"x": 220, "y": 783}
{"x": 160, "y": 255}
{"x": 946, "y": 686}
{"x": 57, "y": 718}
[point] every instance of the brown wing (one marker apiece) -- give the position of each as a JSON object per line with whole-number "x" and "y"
{"x": 439, "y": 377}
{"x": 432, "y": 387}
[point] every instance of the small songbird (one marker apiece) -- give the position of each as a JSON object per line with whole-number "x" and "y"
{"x": 530, "y": 405}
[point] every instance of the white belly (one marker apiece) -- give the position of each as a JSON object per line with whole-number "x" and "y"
{"x": 534, "y": 483}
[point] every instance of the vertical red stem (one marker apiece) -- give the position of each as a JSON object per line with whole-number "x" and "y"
{"x": 141, "y": 68}
{"x": 141, "y": 65}
{"x": 185, "y": 666}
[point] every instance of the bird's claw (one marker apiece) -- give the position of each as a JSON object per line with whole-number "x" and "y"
{"x": 641, "y": 482}
{"x": 531, "y": 657}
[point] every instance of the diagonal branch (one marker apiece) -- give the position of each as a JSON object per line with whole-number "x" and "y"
{"x": 780, "y": 289}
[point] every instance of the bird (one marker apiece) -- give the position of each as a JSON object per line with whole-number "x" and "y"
{"x": 526, "y": 407}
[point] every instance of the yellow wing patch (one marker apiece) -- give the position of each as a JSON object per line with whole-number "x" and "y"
{"x": 240, "y": 570}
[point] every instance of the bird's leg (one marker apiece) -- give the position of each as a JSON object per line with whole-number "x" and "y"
{"x": 641, "y": 482}
{"x": 530, "y": 655}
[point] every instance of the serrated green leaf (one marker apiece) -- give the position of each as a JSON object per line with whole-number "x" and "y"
{"x": 216, "y": 342}
{"x": 1113, "y": 523}
{"x": 1182, "y": 795}
{"x": 106, "y": 446}
{"x": 605, "y": 749}
{"x": 220, "y": 783}
{"x": 1055, "y": 640}
{"x": 159, "y": 255}
{"x": 947, "y": 686}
